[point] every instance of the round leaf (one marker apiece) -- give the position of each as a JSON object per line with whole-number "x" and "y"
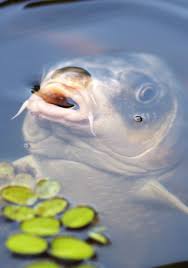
{"x": 41, "y": 226}
{"x": 24, "y": 179}
{"x": 71, "y": 249}
{"x": 6, "y": 170}
{"x": 26, "y": 244}
{"x": 47, "y": 188}
{"x": 78, "y": 217}
{"x": 17, "y": 194}
{"x": 52, "y": 207}
{"x": 43, "y": 264}
{"x": 98, "y": 238}
{"x": 87, "y": 265}
{"x": 17, "y": 213}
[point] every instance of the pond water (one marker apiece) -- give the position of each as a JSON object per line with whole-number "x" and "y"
{"x": 35, "y": 36}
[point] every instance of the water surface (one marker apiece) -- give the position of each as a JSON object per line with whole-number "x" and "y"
{"x": 34, "y": 36}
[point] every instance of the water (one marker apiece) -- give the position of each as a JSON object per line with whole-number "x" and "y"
{"x": 34, "y": 38}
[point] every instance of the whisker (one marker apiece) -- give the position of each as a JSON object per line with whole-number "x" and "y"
{"x": 91, "y": 121}
{"x": 22, "y": 108}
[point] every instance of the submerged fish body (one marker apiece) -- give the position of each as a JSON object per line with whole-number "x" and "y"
{"x": 125, "y": 128}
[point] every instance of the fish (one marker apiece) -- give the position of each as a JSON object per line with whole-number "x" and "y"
{"x": 112, "y": 129}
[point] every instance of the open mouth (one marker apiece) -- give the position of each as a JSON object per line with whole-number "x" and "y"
{"x": 61, "y": 103}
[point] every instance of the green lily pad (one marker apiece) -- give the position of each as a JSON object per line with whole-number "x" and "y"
{"x": 71, "y": 249}
{"x": 6, "y": 170}
{"x": 98, "y": 238}
{"x": 78, "y": 217}
{"x": 18, "y": 213}
{"x": 41, "y": 226}
{"x": 17, "y": 194}
{"x": 47, "y": 188}
{"x": 87, "y": 265}
{"x": 43, "y": 264}
{"x": 26, "y": 244}
{"x": 24, "y": 179}
{"x": 52, "y": 207}
{"x": 25, "y": 166}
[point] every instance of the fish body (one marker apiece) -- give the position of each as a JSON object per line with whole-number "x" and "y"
{"x": 120, "y": 147}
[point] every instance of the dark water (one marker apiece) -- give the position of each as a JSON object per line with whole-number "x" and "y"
{"x": 34, "y": 36}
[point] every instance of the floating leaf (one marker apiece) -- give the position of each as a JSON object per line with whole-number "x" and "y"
{"x": 17, "y": 213}
{"x": 43, "y": 264}
{"x": 52, "y": 207}
{"x": 98, "y": 238}
{"x": 41, "y": 226}
{"x": 87, "y": 265}
{"x": 47, "y": 188}
{"x": 71, "y": 249}
{"x": 26, "y": 165}
{"x": 78, "y": 217}
{"x": 26, "y": 244}
{"x": 6, "y": 170}
{"x": 17, "y": 194}
{"x": 24, "y": 179}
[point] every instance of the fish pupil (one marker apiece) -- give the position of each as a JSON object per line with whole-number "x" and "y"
{"x": 138, "y": 118}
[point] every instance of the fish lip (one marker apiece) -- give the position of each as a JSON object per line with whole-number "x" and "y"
{"x": 41, "y": 108}
{"x": 51, "y": 82}
{"x": 77, "y": 125}
{"x": 62, "y": 115}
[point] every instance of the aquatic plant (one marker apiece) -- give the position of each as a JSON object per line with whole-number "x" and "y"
{"x": 43, "y": 264}
{"x": 18, "y": 213}
{"x": 70, "y": 248}
{"x": 41, "y": 226}
{"x": 98, "y": 238}
{"x": 43, "y": 220}
{"x": 51, "y": 207}
{"x": 26, "y": 244}
{"x": 46, "y": 188}
{"x": 78, "y": 217}
{"x": 20, "y": 195}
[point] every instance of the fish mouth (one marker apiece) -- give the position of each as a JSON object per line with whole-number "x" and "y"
{"x": 52, "y": 102}
{"x": 68, "y": 116}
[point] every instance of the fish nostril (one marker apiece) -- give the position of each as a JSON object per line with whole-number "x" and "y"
{"x": 35, "y": 88}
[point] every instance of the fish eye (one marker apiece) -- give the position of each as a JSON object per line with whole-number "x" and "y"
{"x": 146, "y": 93}
{"x": 138, "y": 118}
